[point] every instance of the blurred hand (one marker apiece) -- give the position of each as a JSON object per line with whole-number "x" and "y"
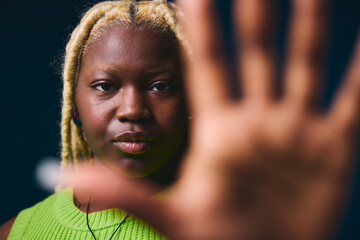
{"x": 258, "y": 167}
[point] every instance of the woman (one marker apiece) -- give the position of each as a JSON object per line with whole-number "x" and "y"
{"x": 258, "y": 167}
{"x": 123, "y": 108}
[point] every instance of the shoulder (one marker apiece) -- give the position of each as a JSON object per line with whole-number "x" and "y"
{"x": 5, "y": 228}
{"x": 15, "y": 227}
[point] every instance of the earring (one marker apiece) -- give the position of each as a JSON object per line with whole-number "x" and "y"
{"x": 190, "y": 117}
{"x": 76, "y": 118}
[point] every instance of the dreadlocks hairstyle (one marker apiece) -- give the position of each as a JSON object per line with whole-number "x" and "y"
{"x": 158, "y": 15}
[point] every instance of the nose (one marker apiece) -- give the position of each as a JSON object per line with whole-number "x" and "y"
{"x": 133, "y": 105}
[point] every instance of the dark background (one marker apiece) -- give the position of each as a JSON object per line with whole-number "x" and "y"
{"x": 33, "y": 35}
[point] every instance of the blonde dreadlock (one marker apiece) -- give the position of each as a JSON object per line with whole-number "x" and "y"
{"x": 157, "y": 14}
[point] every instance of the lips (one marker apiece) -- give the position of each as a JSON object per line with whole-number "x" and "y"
{"x": 134, "y": 142}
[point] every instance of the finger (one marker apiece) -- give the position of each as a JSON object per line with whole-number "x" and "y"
{"x": 206, "y": 67}
{"x": 306, "y": 52}
{"x": 136, "y": 196}
{"x": 346, "y": 107}
{"x": 255, "y": 35}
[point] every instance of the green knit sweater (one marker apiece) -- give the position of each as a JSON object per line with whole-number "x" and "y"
{"x": 58, "y": 218}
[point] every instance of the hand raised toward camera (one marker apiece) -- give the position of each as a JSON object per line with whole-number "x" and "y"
{"x": 258, "y": 167}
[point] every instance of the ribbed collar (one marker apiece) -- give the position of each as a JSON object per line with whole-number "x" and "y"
{"x": 69, "y": 215}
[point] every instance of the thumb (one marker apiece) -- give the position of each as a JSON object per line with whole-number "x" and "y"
{"x": 138, "y": 197}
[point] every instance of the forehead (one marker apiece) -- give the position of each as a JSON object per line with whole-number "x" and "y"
{"x": 128, "y": 44}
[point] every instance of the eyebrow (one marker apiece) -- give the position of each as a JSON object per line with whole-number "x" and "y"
{"x": 106, "y": 68}
{"x": 159, "y": 70}
{"x": 149, "y": 71}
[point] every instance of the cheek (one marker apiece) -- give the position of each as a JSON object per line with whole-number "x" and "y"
{"x": 94, "y": 117}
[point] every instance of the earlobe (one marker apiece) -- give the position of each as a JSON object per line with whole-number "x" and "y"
{"x": 76, "y": 118}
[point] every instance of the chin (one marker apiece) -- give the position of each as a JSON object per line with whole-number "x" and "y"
{"x": 131, "y": 167}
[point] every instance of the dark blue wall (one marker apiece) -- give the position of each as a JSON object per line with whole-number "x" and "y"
{"x": 33, "y": 35}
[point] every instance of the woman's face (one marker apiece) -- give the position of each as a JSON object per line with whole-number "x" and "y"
{"x": 130, "y": 99}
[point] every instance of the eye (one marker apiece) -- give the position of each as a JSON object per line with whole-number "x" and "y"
{"x": 161, "y": 87}
{"x": 104, "y": 87}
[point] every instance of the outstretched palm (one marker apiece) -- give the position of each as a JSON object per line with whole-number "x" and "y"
{"x": 258, "y": 167}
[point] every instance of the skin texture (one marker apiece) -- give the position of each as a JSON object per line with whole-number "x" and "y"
{"x": 130, "y": 81}
{"x": 262, "y": 166}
